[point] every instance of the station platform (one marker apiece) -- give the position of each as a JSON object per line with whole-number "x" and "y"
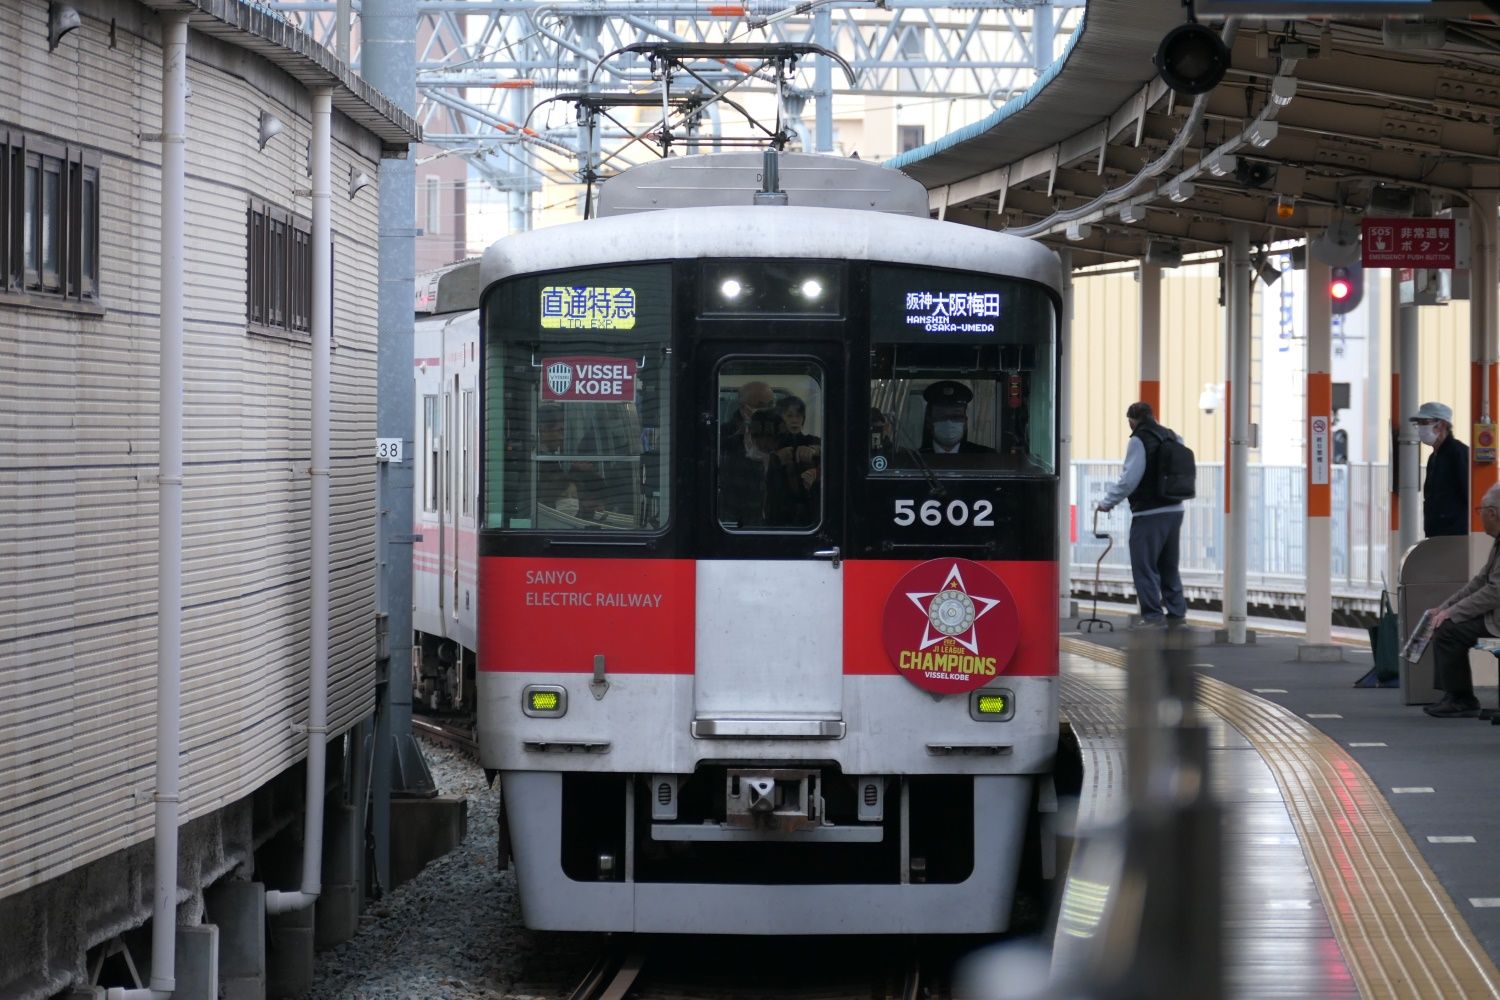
{"x": 1361, "y": 836}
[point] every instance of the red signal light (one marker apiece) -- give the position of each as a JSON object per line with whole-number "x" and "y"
{"x": 1340, "y": 287}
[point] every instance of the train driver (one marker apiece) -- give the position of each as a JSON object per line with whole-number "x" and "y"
{"x": 945, "y": 424}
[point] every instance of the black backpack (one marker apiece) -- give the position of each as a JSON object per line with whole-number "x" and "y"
{"x": 1177, "y": 470}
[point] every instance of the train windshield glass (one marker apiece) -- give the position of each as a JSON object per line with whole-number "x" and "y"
{"x": 769, "y": 475}
{"x": 963, "y": 374}
{"x": 577, "y": 386}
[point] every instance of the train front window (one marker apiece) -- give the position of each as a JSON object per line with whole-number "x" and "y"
{"x": 962, "y": 375}
{"x": 770, "y": 445}
{"x": 577, "y": 385}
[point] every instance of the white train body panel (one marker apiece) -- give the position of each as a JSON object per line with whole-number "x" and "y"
{"x": 757, "y": 651}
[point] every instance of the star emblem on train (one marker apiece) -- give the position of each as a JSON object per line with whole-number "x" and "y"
{"x": 951, "y": 612}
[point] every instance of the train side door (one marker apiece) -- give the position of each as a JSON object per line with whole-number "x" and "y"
{"x": 769, "y": 540}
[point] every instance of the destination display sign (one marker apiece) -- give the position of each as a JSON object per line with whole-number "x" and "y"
{"x": 585, "y": 307}
{"x": 1408, "y": 243}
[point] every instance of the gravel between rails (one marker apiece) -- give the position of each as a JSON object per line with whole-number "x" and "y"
{"x": 454, "y": 932}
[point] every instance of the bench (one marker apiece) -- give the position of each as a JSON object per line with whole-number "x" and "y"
{"x": 1489, "y": 644}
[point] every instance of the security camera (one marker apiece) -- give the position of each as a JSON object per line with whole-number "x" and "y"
{"x": 1211, "y": 397}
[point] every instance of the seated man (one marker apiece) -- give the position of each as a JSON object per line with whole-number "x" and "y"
{"x": 945, "y": 425}
{"x": 1470, "y": 614}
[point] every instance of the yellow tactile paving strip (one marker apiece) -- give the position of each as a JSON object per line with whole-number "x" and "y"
{"x": 1400, "y": 932}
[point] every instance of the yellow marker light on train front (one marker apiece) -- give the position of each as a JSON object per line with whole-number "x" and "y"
{"x": 992, "y": 705}
{"x": 545, "y": 701}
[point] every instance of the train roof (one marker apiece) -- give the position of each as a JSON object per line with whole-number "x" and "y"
{"x": 809, "y": 180}
{"x": 451, "y": 288}
{"x": 764, "y": 231}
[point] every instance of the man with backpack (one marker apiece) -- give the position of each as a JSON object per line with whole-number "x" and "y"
{"x": 1158, "y": 476}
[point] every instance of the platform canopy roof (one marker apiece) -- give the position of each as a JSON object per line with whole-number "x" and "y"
{"x": 1319, "y": 121}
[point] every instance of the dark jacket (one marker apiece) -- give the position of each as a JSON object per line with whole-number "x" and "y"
{"x": 1445, "y": 493}
{"x": 1147, "y": 496}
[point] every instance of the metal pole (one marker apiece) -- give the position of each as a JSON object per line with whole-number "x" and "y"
{"x": 1318, "y": 452}
{"x": 1237, "y": 466}
{"x": 520, "y": 192}
{"x": 169, "y": 493}
{"x": 1408, "y": 449}
{"x": 1065, "y": 442}
{"x": 823, "y": 81}
{"x": 1483, "y": 352}
{"x": 389, "y": 62}
{"x": 1042, "y": 34}
{"x": 342, "y": 13}
{"x": 1150, "y": 387}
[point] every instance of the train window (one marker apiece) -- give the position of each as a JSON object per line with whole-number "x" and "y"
{"x": 432, "y": 431}
{"x": 578, "y": 383}
{"x": 770, "y": 430}
{"x": 467, "y": 459}
{"x": 963, "y": 372}
{"x": 447, "y": 468}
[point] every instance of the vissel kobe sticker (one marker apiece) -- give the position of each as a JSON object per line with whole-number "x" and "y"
{"x": 589, "y": 380}
{"x": 950, "y": 625}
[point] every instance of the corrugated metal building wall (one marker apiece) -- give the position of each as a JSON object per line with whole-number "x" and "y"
{"x": 78, "y": 499}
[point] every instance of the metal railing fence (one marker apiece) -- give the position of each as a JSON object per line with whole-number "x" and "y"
{"x": 1278, "y": 509}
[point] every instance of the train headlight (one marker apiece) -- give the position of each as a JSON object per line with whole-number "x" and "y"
{"x": 812, "y": 288}
{"x": 992, "y": 704}
{"x": 544, "y": 701}
{"x": 731, "y": 289}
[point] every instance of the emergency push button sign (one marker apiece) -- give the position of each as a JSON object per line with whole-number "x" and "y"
{"x": 588, "y": 380}
{"x": 950, "y": 626}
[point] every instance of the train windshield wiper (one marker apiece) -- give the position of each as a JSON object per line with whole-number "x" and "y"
{"x": 933, "y": 485}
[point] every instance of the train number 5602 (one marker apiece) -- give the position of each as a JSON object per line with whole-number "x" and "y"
{"x": 956, "y": 512}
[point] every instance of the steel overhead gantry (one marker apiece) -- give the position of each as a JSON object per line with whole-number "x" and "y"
{"x": 1320, "y": 122}
{"x": 482, "y": 65}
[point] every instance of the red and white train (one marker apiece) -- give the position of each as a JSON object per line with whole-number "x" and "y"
{"x": 746, "y": 501}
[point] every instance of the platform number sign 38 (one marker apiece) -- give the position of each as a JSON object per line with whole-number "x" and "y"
{"x": 958, "y": 513}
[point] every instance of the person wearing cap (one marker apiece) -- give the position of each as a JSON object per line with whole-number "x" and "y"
{"x": 1445, "y": 493}
{"x": 945, "y": 427}
{"x": 1155, "y": 523}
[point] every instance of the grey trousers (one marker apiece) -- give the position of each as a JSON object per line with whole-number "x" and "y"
{"x": 1153, "y": 564}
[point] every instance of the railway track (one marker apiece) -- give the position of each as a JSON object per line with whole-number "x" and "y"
{"x": 447, "y": 733}
{"x": 705, "y": 973}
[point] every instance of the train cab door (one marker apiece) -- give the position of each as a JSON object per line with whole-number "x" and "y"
{"x": 769, "y": 540}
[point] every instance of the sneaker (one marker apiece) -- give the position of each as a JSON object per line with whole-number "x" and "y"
{"x": 1146, "y": 624}
{"x": 1454, "y": 708}
{"x": 1176, "y": 621}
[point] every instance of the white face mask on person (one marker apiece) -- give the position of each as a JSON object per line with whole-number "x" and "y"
{"x": 948, "y": 432}
{"x": 1427, "y": 434}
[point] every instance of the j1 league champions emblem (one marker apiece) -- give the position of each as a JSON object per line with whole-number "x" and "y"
{"x": 950, "y": 625}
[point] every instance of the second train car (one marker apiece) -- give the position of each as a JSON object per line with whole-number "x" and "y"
{"x": 767, "y": 555}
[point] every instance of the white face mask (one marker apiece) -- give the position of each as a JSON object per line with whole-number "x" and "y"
{"x": 1427, "y": 434}
{"x": 948, "y": 432}
{"x": 568, "y": 506}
